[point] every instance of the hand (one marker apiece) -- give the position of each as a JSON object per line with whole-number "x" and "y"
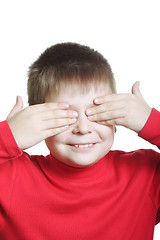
{"x": 128, "y": 110}
{"x": 38, "y": 122}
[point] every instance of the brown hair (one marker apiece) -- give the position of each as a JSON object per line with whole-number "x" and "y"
{"x": 64, "y": 65}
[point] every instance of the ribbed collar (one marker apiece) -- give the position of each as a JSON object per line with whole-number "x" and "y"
{"x": 62, "y": 172}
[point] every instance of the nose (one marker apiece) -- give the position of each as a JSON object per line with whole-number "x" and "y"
{"x": 83, "y": 125}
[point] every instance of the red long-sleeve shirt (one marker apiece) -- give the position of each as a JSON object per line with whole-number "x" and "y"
{"x": 117, "y": 198}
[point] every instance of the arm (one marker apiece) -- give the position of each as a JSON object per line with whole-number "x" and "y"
{"x": 151, "y": 130}
{"x": 8, "y": 146}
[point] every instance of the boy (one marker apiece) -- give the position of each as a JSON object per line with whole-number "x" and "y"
{"x": 82, "y": 190}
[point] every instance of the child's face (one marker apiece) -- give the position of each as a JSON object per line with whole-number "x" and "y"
{"x": 96, "y": 138}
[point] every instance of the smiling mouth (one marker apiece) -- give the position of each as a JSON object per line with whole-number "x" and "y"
{"x": 83, "y": 146}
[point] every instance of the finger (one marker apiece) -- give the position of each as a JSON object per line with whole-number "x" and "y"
{"x": 56, "y": 123}
{"x": 107, "y": 106}
{"x": 111, "y": 97}
{"x": 17, "y": 107}
{"x": 113, "y": 122}
{"x": 49, "y": 106}
{"x": 136, "y": 91}
{"x": 60, "y": 105}
{"x": 109, "y": 115}
{"x": 55, "y": 114}
{"x": 107, "y": 123}
{"x": 51, "y": 132}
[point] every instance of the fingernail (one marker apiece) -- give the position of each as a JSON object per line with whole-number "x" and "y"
{"x": 74, "y": 119}
{"x": 65, "y": 105}
{"x": 88, "y": 111}
{"x": 97, "y": 100}
{"x": 75, "y": 114}
{"x": 90, "y": 117}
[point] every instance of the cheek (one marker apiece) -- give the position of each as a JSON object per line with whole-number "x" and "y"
{"x": 53, "y": 143}
{"x": 105, "y": 132}
{"x": 59, "y": 138}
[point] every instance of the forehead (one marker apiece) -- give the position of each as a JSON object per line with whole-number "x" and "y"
{"x": 74, "y": 96}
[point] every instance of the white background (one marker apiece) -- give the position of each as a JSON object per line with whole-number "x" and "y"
{"x": 125, "y": 32}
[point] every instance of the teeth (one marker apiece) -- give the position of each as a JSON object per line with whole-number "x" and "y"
{"x": 84, "y": 145}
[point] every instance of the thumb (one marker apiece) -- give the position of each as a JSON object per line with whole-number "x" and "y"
{"x": 136, "y": 91}
{"x": 17, "y": 107}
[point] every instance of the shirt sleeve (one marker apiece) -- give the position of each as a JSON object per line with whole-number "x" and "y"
{"x": 9, "y": 151}
{"x": 8, "y": 146}
{"x": 151, "y": 133}
{"x": 155, "y": 187}
{"x": 151, "y": 130}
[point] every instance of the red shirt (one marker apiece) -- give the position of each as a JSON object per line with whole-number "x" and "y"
{"x": 117, "y": 198}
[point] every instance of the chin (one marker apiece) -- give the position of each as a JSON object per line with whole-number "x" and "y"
{"x": 79, "y": 163}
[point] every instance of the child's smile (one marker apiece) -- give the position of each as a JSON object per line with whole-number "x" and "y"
{"x": 84, "y": 142}
{"x": 83, "y": 147}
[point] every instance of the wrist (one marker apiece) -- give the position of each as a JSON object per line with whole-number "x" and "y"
{"x": 8, "y": 144}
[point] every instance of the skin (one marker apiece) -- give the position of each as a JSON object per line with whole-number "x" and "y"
{"x": 128, "y": 110}
{"x": 82, "y": 132}
{"x": 56, "y": 122}
{"x": 38, "y": 122}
